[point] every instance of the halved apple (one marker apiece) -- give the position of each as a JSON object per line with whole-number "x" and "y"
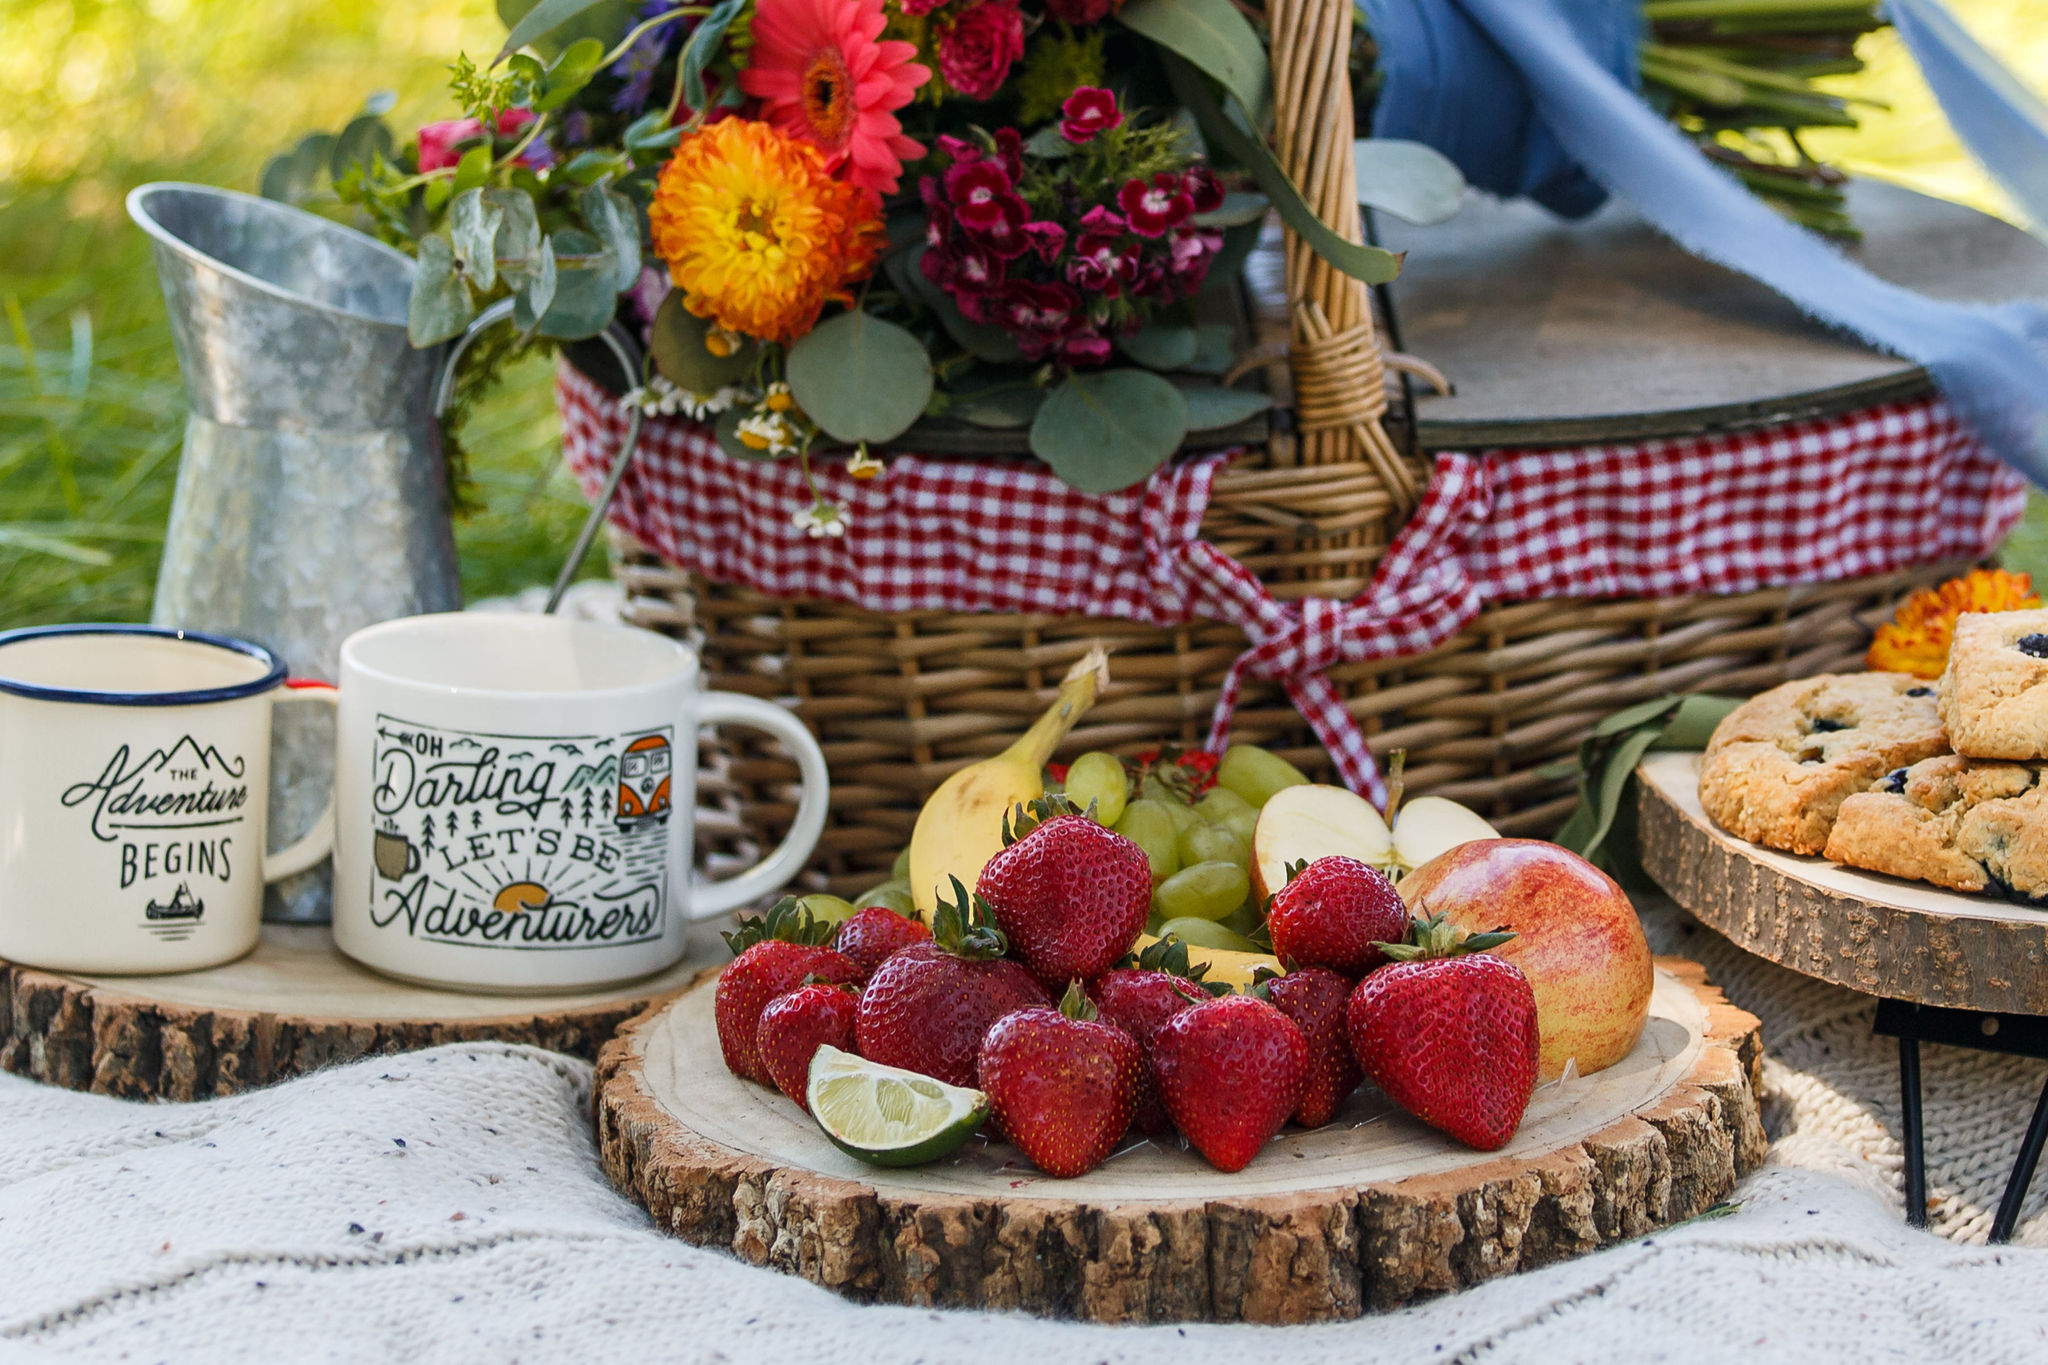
{"x": 1302, "y": 824}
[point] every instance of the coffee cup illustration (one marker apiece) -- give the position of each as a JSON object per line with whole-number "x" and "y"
{"x": 395, "y": 856}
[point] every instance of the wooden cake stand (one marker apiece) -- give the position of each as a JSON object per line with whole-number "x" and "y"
{"x": 1370, "y": 1211}
{"x": 291, "y": 1006}
{"x": 1968, "y": 971}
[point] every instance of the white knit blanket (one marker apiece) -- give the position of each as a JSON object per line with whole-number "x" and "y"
{"x": 447, "y": 1206}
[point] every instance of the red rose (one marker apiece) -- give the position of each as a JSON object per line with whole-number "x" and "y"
{"x": 978, "y": 49}
{"x": 1082, "y": 12}
{"x": 1087, "y": 112}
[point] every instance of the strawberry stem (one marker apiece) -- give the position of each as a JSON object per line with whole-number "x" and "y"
{"x": 1437, "y": 937}
{"x": 1075, "y": 1004}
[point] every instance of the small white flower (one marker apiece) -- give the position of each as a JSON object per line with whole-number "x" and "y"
{"x": 862, "y": 465}
{"x": 767, "y": 432}
{"x": 698, "y": 406}
{"x": 778, "y": 398}
{"x": 819, "y": 520}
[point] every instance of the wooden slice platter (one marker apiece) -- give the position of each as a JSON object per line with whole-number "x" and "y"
{"x": 1369, "y": 1212}
{"x": 291, "y": 1006}
{"x": 1896, "y": 939}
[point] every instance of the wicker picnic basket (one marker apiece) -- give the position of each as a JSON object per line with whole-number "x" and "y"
{"x": 898, "y": 701}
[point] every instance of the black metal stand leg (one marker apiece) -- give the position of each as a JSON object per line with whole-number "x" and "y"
{"x": 1910, "y": 1138}
{"x": 2022, "y": 1172}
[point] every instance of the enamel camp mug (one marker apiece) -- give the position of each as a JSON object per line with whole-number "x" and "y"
{"x": 134, "y": 777}
{"x": 514, "y": 797}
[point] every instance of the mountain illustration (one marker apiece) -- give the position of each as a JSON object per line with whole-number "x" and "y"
{"x": 594, "y": 775}
{"x": 189, "y": 753}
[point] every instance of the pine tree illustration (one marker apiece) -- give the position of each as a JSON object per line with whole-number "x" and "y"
{"x": 476, "y": 819}
{"x": 588, "y": 810}
{"x": 604, "y": 803}
{"x": 568, "y": 811}
{"x": 454, "y": 824}
{"x": 427, "y": 836}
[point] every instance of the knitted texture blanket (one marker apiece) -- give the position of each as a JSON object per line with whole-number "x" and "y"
{"x": 447, "y": 1206}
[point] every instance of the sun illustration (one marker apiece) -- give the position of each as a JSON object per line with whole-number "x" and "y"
{"x": 520, "y": 896}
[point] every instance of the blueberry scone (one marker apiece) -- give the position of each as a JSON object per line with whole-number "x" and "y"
{"x": 1781, "y": 764}
{"x": 1958, "y": 822}
{"x": 1994, "y": 695}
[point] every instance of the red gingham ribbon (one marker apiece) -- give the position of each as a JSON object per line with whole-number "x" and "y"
{"x": 1867, "y": 492}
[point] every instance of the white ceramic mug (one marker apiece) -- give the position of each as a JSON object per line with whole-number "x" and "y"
{"x": 514, "y": 797}
{"x": 134, "y": 777}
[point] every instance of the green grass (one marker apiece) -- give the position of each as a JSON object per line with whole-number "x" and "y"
{"x": 107, "y": 94}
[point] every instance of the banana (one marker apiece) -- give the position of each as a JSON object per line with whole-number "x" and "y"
{"x": 1231, "y": 968}
{"x": 961, "y": 827}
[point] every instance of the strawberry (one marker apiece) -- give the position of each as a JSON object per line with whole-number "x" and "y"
{"x": 1138, "y": 999}
{"x": 794, "y": 1025}
{"x": 1061, "y": 1083}
{"x": 1071, "y": 896}
{"x": 870, "y": 935}
{"x": 1448, "y": 1031}
{"x": 1314, "y": 998}
{"x": 1331, "y": 913}
{"x": 774, "y": 955}
{"x": 927, "y": 1008}
{"x": 1229, "y": 1071}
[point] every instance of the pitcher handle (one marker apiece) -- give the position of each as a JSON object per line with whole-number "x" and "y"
{"x": 628, "y": 355}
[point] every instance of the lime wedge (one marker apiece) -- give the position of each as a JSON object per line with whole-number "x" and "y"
{"x": 887, "y": 1116}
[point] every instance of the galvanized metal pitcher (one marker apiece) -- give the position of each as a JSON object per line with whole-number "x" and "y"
{"x": 311, "y": 497}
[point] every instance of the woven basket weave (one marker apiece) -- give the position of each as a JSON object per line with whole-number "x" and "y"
{"x": 900, "y": 701}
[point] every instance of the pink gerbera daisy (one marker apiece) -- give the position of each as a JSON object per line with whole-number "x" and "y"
{"x": 820, "y": 74}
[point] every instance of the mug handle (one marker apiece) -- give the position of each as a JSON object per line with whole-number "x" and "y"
{"x": 709, "y": 899}
{"x": 318, "y": 842}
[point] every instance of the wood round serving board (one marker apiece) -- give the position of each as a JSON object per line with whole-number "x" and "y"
{"x": 1369, "y": 1212}
{"x": 1897, "y": 939}
{"x": 291, "y": 1006}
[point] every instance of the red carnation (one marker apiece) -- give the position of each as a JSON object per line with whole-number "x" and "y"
{"x": 1154, "y": 208}
{"x": 1087, "y": 112}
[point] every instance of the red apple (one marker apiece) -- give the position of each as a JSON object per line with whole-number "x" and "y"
{"x": 1577, "y": 939}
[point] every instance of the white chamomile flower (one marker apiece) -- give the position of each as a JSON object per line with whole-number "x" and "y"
{"x": 698, "y": 406}
{"x": 861, "y": 465}
{"x": 767, "y": 432}
{"x": 819, "y": 520}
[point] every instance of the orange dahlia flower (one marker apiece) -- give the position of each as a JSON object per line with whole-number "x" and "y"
{"x": 1916, "y": 640}
{"x": 757, "y": 234}
{"x": 819, "y": 73}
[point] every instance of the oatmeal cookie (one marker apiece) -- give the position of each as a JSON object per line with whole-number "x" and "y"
{"x": 1781, "y": 764}
{"x": 1961, "y": 823}
{"x": 1994, "y": 694}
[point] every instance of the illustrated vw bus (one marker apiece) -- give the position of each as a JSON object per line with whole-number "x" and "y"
{"x": 643, "y": 783}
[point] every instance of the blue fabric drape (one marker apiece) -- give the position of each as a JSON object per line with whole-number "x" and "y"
{"x": 1990, "y": 361}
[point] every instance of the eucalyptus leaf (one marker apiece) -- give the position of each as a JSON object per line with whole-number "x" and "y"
{"x": 702, "y": 47}
{"x": 1216, "y": 37}
{"x": 1108, "y": 429}
{"x": 1224, "y": 124}
{"x": 1160, "y": 345}
{"x": 860, "y": 378}
{"x": 1004, "y": 408}
{"x": 536, "y": 290}
{"x": 281, "y": 180}
{"x": 583, "y": 305}
{"x": 676, "y": 340}
{"x": 1215, "y": 348}
{"x": 616, "y": 223}
{"x": 381, "y": 102}
{"x": 519, "y": 234}
{"x": 1211, "y": 408}
{"x": 473, "y": 227}
{"x": 1227, "y": 266}
{"x": 440, "y": 306}
{"x": 569, "y": 73}
{"x": 1239, "y": 207}
{"x": 360, "y": 143}
{"x": 541, "y": 20}
{"x": 1411, "y": 180}
{"x": 589, "y": 166}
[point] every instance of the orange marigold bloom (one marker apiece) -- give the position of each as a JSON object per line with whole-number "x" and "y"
{"x": 1916, "y": 640}
{"x": 757, "y": 234}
